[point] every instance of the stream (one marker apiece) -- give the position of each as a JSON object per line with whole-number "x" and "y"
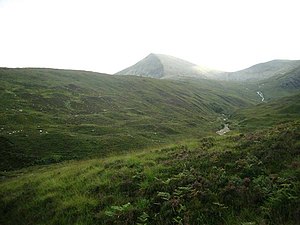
{"x": 224, "y": 130}
{"x": 261, "y": 95}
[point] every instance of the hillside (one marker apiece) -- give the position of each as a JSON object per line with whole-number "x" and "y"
{"x": 165, "y": 66}
{"x": 276, "y": 86}
{"x": 281, "y": 84}
{"x": 86, "y": 148}
{"x": 261, "y": 71}
{"x": 250, "y": 178}
{"x": 264, "y": 115}
{"x": 273, "y": 79}
{"x": 48, "y": 116}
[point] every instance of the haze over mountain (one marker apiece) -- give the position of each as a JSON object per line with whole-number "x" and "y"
{"x": 169, "y": 67}
{"x": 261, "y": 71}
{"x": 165, "y": 66}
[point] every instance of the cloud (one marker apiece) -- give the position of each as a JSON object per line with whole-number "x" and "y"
{"x": 107, "y": 36}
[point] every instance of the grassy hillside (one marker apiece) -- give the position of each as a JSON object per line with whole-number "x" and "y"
{"x": 252, "y": 178}
{"x": 281, "y": 85}
{"x": 264, "y": 115}
{"x": 49, "y": 115}
{"x": 274, "y": 79}
{"x": 249, "y": 176}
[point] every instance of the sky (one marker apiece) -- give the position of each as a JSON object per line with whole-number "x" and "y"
{"x": 109, "y": 35}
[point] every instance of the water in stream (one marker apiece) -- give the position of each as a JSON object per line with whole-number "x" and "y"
{"x": 224, "y": 130}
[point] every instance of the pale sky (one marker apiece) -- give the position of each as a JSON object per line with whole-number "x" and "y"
{"x": 109, "y": 35}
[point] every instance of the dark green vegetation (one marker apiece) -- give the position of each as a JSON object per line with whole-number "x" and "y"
{"x": 180, "y": 171}
{"x": 280, "y": 85}
{"x": 51, "y": 115}
{"x": 264, "y": 115}
{"x": 240, "y": 179}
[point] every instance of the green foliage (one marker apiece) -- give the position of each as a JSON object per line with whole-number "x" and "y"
{"x": 48, "y": 116}
{"x": 117, "y": 211}
{"x": 252, "y": 178}
{"x": 143, "y": 219}
{"x": 267, "y": 114}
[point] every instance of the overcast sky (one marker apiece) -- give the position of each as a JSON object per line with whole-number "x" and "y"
{"x": 109, "y": 35}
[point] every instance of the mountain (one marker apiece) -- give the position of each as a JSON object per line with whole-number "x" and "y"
{"x": 146, "y": 151}
{"x": 261, "y": 71}
{"x": 49, "y": 115}
{"x": 165, "y": 66}
{"x": 279, "y": 85}
{"x": 169, "y": 67}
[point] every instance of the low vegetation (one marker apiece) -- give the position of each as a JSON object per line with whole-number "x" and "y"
{"x": 267, "y": 114}
{"x": 49, "y": 116}
{"x": 86, "y": 148}
{"x": 250, "y": 178}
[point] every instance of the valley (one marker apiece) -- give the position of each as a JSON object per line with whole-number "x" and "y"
{"x": 80, "y": 114}
{"x": 161, "y": 142}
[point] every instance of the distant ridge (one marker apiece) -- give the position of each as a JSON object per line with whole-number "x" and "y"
{"x": 165, "y": 66}
{"x": 261, "y": 71}
{"x": 169, "y": 67}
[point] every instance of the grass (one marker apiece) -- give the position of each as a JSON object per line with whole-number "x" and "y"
{"x": 236, "y": 179}
{"x": 85, "y": 148}
{"x": 265, "y": 115}
{"x": 48, "y": 115}
{"x": 281, "y": 85}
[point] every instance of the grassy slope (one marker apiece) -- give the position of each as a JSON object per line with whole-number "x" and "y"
{"x": 277, "y": 86}
{"x": 282, "y": 84}
{"x": 239, "y": 179}
{"x": 264, "y": 115}
{"x": 49, "y": 115}
{"x": 250, "y": 178}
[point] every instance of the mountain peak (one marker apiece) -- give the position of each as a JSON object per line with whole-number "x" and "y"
{"x": 165, "y": 66}
{"x": 150, "y": 66}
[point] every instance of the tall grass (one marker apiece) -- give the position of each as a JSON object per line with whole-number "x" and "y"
{"x": 238, "y": 179}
